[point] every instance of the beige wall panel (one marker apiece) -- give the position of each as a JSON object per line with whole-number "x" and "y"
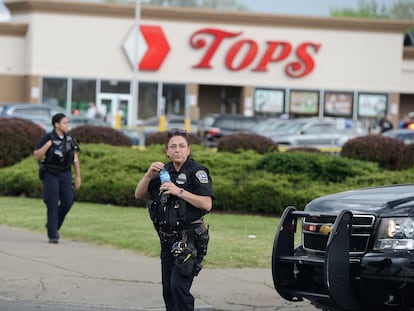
{"x": 12, "y": 55}
{"x": 407, "y": 77}
{"x": 80, "y": 46}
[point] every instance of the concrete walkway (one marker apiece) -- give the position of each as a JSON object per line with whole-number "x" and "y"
{"x": 101, "y": 278}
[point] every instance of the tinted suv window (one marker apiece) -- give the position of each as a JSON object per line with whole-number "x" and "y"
{"x": 225, "y": 123}
{"x": 234, "y": 123}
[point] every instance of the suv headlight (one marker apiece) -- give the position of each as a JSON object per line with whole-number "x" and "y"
{"x": 395, "y": 234}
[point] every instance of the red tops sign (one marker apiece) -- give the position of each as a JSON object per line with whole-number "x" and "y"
{"x": 243, "y": 54}
{"x": 276, "y": 51}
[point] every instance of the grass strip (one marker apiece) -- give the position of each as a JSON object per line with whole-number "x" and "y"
{"x": 236, "y": 241}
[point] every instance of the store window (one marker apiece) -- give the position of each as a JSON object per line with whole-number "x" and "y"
{"x": 304, "y": 103}
{"x": 54, "y": 91}
{"x": 372, "y": 105}
{"x": 174, "y": 98}
{"x": 338, "y": 104}
{"x": 83, "y": 92}
{"x": 269, "y": 102}
{"x": 148, "y": 95}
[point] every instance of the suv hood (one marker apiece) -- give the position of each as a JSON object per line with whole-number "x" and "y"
{"x": 387, "y": 200}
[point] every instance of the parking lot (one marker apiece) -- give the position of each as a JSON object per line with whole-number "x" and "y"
{"x": 84, "y": 277}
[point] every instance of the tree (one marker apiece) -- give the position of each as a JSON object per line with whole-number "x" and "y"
{"x": 400, "y": 9}
{"x": 403, "y": 10}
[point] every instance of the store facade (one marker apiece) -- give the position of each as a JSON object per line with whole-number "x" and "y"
{"x": 194, "y": 62}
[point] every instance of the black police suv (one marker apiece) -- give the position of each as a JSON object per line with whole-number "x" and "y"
{"x": 356, "y": 250}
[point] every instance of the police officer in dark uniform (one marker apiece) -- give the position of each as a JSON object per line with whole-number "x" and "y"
{"x": 60, "y": 153}
{"x": 177, "y": 208}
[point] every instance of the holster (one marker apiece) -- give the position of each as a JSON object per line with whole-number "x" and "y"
{"x": 42, "y": 169}
{"x": 153, "y": 210}
{"x": 189, "y": 258}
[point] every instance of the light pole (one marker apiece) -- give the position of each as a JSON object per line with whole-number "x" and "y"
{"x": 133, "y": 115}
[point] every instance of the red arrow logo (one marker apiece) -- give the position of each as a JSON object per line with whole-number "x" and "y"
{"x": 158, "y": 48}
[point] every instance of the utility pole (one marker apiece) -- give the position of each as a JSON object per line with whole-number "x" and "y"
{"x": 134, "y": 113}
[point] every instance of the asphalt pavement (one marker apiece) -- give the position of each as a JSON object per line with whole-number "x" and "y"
{"x": 71, "y": 275}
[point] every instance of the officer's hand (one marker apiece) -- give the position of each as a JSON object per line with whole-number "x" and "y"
{"x": 47, "y": 145}
{"x": 169, "y": 188}
{"x": 77, "y": 182}
{"x": 154, "y": 169}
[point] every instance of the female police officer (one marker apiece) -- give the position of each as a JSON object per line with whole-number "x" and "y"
{"x": 60, "y": 152}
{"x": 177, "y": 209}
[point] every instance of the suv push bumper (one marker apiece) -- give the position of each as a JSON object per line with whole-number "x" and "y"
{"x": 324, "y": 280}
{"x": 334, "y": 280}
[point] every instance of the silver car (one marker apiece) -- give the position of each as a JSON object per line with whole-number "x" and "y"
{"x": 405, "y": 135}
{"x": 317, "y": 132}
{"x": 28, "y": 109}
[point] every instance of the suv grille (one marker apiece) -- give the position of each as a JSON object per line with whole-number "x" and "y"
{"x": 316, "y": 230}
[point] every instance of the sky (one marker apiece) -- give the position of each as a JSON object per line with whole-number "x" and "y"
{"x": 303, "y": 7}
{"x": 297, "y": 7}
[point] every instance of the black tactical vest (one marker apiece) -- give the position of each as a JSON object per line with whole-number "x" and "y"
{"x": 60, "y": 155}
{"x": 172, "y": 212}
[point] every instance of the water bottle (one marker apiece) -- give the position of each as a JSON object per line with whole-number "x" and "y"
{"x": 164, "y": 176}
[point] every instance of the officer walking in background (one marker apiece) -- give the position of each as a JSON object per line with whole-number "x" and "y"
{"x": 60, "y": 153}
{"x": 178, "y": 200}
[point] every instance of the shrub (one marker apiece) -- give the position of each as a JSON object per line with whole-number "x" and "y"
{"x": 303, "y": 149}
{"x": 18, "y": 137}
{"x": 408, "y": 156}
{"x": 246, "y": 141}
{"x": 161, "y": 138}
{"x": 311, "y": 166}
{"x": 246, "y": 182}
{"x": 92, "y": 134}
{"x": 385, "y": 151}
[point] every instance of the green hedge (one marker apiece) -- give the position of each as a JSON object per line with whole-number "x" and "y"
{"x": 247, "y": 182}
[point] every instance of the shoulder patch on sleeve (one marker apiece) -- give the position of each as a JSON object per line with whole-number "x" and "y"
{"x": 202, "y": 176}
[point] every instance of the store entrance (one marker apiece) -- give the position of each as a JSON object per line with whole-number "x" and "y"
{"x": 114, "y": 108}
{"x": 219, "y": 99}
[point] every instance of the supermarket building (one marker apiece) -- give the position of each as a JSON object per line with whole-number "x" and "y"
{"x": 194, "y": 62}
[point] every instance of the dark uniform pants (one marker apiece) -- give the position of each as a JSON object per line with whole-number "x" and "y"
{"x": 175, "y": 286}
{"x": 58, "y": 197}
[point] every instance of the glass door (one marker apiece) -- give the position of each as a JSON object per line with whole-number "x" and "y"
{"x": 114, "y": 108}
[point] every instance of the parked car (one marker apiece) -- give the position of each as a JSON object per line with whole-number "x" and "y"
{"x": 44, "y": 123}
{"x": 267, "y": 126}
{"x": 27, "y": 109}
{"x": 152, "y": 125}
{"x": 406, "y": 135}
{"x": 316, "y": 132}
{"x": 134, "y": 135}
{"x": 214, "y": 126}
{"x": 356, "y": 250}
{"x": 75, "y": 121}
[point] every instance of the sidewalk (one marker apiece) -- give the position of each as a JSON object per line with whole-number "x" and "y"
{"x": 80, "y": 274}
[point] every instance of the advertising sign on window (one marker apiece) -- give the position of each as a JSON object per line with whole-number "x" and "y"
{"x": 372, "y": 105}
{"x": 338, "y": 104}
{"x": 268, "y": 100}
{"x": 304, "y": 102}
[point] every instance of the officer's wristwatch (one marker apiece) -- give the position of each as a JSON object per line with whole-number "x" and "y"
{"x": 180, "y": 193}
